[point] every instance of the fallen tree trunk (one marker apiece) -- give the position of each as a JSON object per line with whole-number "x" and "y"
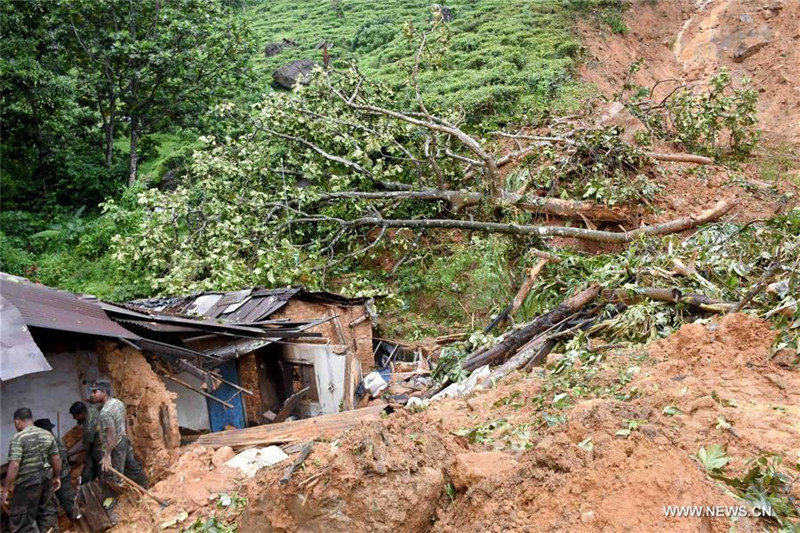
{"x": 683, "y": 158}
{"x": 673, "y": 226}
{"x": 527, "y": 285}
{"x": 461, "y": 199}
{"x": 672, "y": 296}
{"x": 524, "y": 334}
{"x": 324, "y": 426}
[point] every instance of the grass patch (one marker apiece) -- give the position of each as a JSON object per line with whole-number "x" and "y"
{"x": 501, "y": 58}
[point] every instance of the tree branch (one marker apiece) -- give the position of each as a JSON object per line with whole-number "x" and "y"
{"x": 673, "y": 226}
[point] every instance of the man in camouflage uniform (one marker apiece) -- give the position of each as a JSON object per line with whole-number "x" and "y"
{"x": 112, "y": 428}
{"x": 86, "y": 416}
{"x": 66, "y": 494}
{"x": 32, "y": 506}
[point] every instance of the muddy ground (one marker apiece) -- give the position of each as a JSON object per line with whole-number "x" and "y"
{"x": 624, "y": 440}
{"x": 621, "y": 445}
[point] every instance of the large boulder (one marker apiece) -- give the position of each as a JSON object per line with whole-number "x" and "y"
{"x": 290, "y": 74}
{"x": 447, "y": 13}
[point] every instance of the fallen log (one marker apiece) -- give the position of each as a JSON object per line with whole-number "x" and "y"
{"x": 515, "y": 339}
{"x": 672, "y": 296}
{"x": 527, "y": 285}
{"x": 519, "y": 337}
{"x": 682, "y": 158}
{"x": 522, "y": 293}
{"x": 665, "y": 228}
{"x": 461, "y": 199}
{"x": 324, "y": 426}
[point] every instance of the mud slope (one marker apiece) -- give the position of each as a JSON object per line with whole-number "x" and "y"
{"x": 518, "y": 473}
{"x": 692, "y": 39}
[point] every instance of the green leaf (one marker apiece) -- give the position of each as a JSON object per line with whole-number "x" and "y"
{"x": 714, "y": 458}
{"x": 670, "y": 410}
{"x": 586, "y": 444}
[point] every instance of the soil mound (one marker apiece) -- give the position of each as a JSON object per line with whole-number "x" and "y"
{"x": 691, "y": 40}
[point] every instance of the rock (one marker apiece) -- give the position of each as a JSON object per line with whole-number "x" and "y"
{"x": 273, "y": 49}
{"x": 252, "y": 460}
{"x": 222, "y": 455}
{"x": 446, "y": 12}
{"x": 748, "y": 47}
{"x": 471, "y": 468}
{"x": 415, "y": 404}
{"x": 462, "y": 388}
{"x": 290, "y": 74}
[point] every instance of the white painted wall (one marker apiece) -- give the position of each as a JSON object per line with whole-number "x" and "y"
{"x": 191, "y": 406}
{"x": 47, "y": 394}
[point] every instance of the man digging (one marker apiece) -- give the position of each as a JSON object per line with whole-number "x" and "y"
{"x": 117, "y": 451}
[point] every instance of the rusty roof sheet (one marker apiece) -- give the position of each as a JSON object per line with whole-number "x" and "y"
{"x": 43, "y": 307}
{"x": 238, "y": 307}
{"x": 19, "y": 353}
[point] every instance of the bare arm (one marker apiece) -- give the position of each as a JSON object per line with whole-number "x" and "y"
{"x": 11, "y": 474}
{"x": 55, "y": 460}
{"x": 106, "y": 438}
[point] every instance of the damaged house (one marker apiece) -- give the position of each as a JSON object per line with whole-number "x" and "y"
{"x": 318, "y": 346}
{"x": 182, "y": 365}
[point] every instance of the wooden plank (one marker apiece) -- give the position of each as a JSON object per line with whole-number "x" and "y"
{"x": 324, "y": 426}
{"x": 351, "y": 379}
{"x": 289, "y": 406}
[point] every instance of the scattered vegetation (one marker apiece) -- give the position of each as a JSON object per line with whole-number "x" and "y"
{"x": 715, "y": 122}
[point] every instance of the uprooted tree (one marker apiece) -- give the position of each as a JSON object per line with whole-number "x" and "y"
{"x": 310, "y": 179}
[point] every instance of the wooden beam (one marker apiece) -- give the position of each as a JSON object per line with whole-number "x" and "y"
{"x": 198, "y": 391}
{"x": 324, "y": 426}
{"x": 289, "y": 405}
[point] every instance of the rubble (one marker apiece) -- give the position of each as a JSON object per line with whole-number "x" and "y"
{"x": 252, "y": 460}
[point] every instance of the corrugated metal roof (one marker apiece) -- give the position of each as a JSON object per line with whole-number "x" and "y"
{"x": 238, "y": 307}
{"x": 19, "y": 353}
{"x": 48, "y": 308}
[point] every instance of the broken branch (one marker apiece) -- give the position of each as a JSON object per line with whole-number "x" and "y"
{"x": 673, "y": 226}
{"x": 460, "y": 199}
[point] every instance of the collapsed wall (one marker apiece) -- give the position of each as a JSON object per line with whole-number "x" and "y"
{"x": 352, "y": 326}
{"x": 152, "y": 417}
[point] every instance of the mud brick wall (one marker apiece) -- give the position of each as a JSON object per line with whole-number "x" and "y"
{"x": 357, "y": 338}
{"x": 152, "y": 418}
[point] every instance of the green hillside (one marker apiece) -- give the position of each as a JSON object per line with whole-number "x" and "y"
{"x": 500, "y": 57}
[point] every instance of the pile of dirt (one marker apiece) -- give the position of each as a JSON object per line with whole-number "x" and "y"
{"x": 690, "y": 40}
{"x": 684, "y": 41}
{"x": 596, "y": 446}
{"x": 423, "y": 471}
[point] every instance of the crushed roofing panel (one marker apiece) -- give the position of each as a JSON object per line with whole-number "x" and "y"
{"x": 240, "y": 307}
{"x": 19, "y": 353}
{"x": 44, "y": 307}
{"x": 202, "y": 304}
